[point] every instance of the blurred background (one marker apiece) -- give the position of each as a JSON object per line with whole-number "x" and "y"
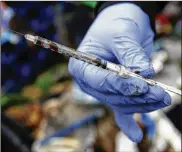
{"x": 44, "y": 110}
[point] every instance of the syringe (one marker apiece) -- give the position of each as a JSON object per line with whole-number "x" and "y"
{"x": 118, "y": 69}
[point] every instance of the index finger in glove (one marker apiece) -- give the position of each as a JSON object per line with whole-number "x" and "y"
{"x": 129, "y": 105}
{"x": 129, "y": 47}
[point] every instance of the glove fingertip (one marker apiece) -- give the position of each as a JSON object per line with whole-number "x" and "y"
{"x": 156, "y": 93}
{"x": 129, "y": 126}
{"x": 136, "y": 136}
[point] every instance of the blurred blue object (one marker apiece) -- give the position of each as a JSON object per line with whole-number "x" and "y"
{"x": 23, "y": 72}
{"x": 26, "y": 70}
{"x": 178, "y": 28}
{"x": 39, "y": 26}
{"x": 7, "y": 58}
{"x": 7, "y": 14}
{"x": 47, "y": 12}
{"x": 5, "y": 37}
{"x": 41, "y": 55}
{"x": 68, "y": 130}
{"x": 8, "y": 85}
{"x": 35, "y": 25}
{"x": 22, "y": 11}
{"x": 149, "y": 123}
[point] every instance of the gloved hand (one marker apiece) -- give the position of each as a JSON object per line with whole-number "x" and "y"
{"x": 120, "y": 34}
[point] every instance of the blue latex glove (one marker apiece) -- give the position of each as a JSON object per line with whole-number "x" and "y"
{"x": 121, "y": 34}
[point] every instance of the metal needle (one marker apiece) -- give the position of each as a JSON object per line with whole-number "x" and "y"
{"x": 16, "y": 32}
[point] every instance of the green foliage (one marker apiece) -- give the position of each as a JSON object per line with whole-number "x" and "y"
{"x": 13, "y": 98}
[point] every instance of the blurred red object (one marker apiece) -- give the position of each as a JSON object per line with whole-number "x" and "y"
{"x": 3, "y": 5}
{"x": 162, "y": 19}
{"x": 163, "y": 24}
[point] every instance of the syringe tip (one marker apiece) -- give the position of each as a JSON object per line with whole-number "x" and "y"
{"x": 16, "y": 32}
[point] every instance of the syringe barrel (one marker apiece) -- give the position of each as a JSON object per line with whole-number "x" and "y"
{"x": 66, "y": 50}
{"x": 77, "y": 54}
